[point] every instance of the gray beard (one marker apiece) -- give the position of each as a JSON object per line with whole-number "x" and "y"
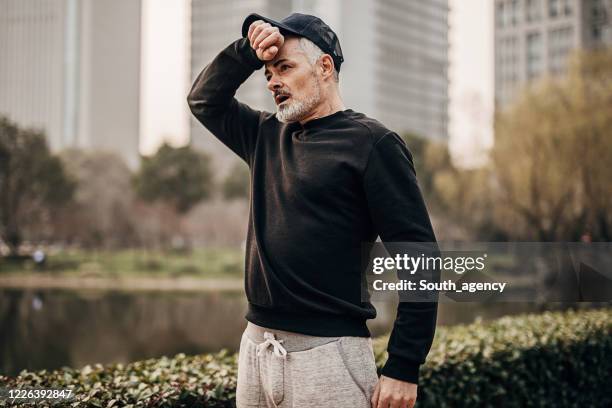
{"x": 294, "y": 110}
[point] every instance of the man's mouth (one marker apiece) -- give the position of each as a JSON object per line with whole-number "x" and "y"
{"x": 281, "y": 98}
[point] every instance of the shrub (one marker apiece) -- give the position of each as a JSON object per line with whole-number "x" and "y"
{"x": 553, "y": 359}
{"x": 206, "y": 380}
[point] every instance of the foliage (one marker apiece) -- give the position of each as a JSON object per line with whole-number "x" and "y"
{"x": 548, "y": 177}
{"x": 460, "y": 197}
{"x": 431, "y": 159}
{"x": 551, "y": 155}
{"x": 207, "y": 380}
{"x": 32, "y": 181}
{"x": 417, "y": 145}
{"x": 179, "y": 176}
{"x": 556, "y": 359}
{"x": 237, "y": 182}
{"x": 102, "y": 214}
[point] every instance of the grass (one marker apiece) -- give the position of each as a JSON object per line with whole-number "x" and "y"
{"x": 209, "y": 263}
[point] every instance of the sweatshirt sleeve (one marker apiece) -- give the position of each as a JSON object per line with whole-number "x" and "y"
{"x": 212, "y": 100}
{"x": 399, "y": 214}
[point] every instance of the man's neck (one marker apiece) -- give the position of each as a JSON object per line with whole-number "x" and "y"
{"x": 326, "y": 108}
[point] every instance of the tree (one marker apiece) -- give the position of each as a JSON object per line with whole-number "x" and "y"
{"x": 32, "y": 181}
{"x": 417, "y": 145}
{"x": 102, "y": 213}
{"x": 432, "y": 161}
{"x": 455, "y": 196}
{"x": 552, "y": 153}
{"x": 180, "y": 176}
{"x": 237, "y": 182}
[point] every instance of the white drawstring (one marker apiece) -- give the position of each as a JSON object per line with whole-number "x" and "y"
{"x": 278, "y": 349}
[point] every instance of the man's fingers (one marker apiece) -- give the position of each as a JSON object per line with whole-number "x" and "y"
{"x": 252, "y": 27}
{"x": 276, "y": 38}
{"x": 269, "y": 53}
{"x": 265, "y": 39}
{"x": 259, "y": 36}
{"x": 383, "y": 402}
{"x": 375, "y": 394}
{"x": 263, "y": 35}
{"x": 256, "y": 31}
{"x": 396, "y": 402}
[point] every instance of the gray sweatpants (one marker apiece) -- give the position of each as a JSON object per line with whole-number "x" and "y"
{"x": 290, "y": 370}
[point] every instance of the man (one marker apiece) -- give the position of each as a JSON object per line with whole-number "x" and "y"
{"x": 324, "y": 179}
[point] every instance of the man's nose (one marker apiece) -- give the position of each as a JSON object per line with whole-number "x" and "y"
{"x": 274, "y": 83}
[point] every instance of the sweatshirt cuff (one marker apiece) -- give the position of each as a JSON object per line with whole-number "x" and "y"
{"x": 401, "y": 369}
{"x": 249, "y": 54}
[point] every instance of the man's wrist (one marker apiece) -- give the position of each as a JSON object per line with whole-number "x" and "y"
{"x": 249, "y": 54}
{"x": 402, "y": 369}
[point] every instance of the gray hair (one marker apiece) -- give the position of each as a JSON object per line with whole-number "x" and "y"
{"x": 313, "y": 53}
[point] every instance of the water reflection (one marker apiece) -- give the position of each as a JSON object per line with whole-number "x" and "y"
{"x": 54, "y": 328}
{"x": 48, "y": 329}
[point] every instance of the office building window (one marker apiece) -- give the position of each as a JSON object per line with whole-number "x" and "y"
{"x": 596, "y": 30}
{"x": 505, "y": 11}
{"x": 507, "y": 66}
{"x": 567, "y": 7}
{"x": 596, "y": 9}
{"x": 533, "y": 10}
{"x": 553, "y": 8}
{"x": 514, "y": 12}
{"x": 560, "y": 43}
{"x": 509, "y": 60}
{"x": 499, "y": 14}
{"x": 534, "y": 55}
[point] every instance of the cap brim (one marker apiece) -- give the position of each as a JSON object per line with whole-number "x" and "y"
{"x": 254, "y": 17}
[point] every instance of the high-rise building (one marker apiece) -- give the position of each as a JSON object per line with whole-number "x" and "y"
{"x": 395, "y": 68}
{"x": 214, "y": 25}
{"x": 534, "y": 38}
{"x": 396, "y": 62}
{"x": 72, "y": 69}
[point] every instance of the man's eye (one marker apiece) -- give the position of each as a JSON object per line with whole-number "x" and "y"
{"x": 284, "y": 67}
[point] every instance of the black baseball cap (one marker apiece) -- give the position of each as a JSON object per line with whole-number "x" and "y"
{"x": 304, "y": 25}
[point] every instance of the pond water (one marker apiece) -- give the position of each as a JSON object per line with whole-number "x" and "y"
{"x": 47, "y": 329}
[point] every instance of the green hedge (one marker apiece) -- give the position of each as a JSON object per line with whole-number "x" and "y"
{"x": 546, "y": 360}
{"x": 552, "y": 359}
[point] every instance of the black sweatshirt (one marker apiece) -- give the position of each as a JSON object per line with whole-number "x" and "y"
{"x": 318, "y": 191}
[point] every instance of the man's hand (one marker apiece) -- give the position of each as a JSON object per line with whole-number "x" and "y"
{"x": 265, "y": 39}
{"x": 392, "y": 393}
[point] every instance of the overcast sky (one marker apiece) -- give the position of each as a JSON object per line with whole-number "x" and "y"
{"x": 165, "y": 73}
{"x": 471, "y": 79}
{"x": 165, "y": 76}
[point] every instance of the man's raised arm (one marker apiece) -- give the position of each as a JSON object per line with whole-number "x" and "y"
{"x": 212, "y": 100}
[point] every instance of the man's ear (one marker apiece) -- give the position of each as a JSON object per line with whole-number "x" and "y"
{"x": 326, "y": 65}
